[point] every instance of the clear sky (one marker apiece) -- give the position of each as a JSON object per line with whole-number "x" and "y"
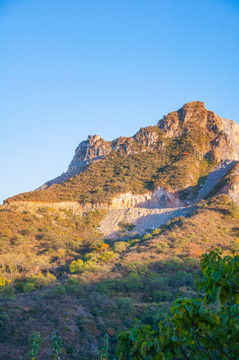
{"x": 69, "y": 68}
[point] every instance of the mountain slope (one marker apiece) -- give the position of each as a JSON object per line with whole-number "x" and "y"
{"x": 138, "y": 277}
{"x": 184, "y": 146}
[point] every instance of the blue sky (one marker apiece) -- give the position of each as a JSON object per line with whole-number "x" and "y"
{"x": 70, "y": 68}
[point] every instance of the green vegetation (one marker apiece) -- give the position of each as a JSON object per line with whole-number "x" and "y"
{"x": 115, "y": 282}
{"x": 203, "y": 327}
{"x": 200, "y": 328}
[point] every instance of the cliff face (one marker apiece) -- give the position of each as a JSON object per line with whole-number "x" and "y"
{"x": 93, "y": 149}
{"x": 159, "y": 198}
{"x": 223, "y": 133}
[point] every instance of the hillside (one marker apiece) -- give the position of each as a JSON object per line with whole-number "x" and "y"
{"x": 182, "y": 148}
{"x": 119, "y": 235}
{"x": 49, "y": 289}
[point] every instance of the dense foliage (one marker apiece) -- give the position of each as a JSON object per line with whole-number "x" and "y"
{"x": 199, "y": 329}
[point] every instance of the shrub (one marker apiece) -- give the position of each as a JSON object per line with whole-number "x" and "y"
{"x": 2, "y": 281}
{"x": 162, "y": 296}
{"x": 77, "y": 266}
{"x": 233, "y": 209}
{"x": 74, "y": 286}
{"x": 126, "y": 226}
{"x": 110, "y": 285}
{"x": 4, "y": 323}
{"x": 37, "y": 282}
{"x": 44, "y": 280}
{"x": 108, "y": 256}
{"x": 126, "y": 306}
{"x": 156, "y": 231}
{"x": 29, "y": 286}
{"x": 91, "y": 266}
{"x": 147, "y": 237}
{"x": 120, "y": 246}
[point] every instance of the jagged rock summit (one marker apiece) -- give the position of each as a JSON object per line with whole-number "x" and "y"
{"x": 223, "y": 133}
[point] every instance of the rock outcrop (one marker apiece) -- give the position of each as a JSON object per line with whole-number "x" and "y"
{"x": 224, "y": 133}
{"x": 93, "y": 149}
{"x": 159, "y": 198}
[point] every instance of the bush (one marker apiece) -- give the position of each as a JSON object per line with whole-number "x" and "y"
{"x": 233, "y": 209}
{"x": 91, "y": 266}
{"x": 2, "y": 281}
{"x": 126, "y": 306}
{"x": 147, "y": 237}
{"x": 4, "y": 323}
{"x": 120, "y": 246}
{"x": 37, "y": 282}
{"x": 112, "y": 285}
{"x": 162, "y": 296}
{"x": 44, "y": 280}
{"x": 29, "y": 286}
{"x": 77, "y": 266}
{"x": 108, "y": 256}
{"x": 126, "y": 226}
{"x": 156, "y": 231}
{"x": 74, "y": 286}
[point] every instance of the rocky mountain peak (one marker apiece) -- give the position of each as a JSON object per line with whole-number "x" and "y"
{"x": 223, "y": 133}
{"x": 190, "y": 115}
{"x": 193, "y": 118}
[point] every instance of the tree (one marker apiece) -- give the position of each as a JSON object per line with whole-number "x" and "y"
{"x": 199, "y": 329}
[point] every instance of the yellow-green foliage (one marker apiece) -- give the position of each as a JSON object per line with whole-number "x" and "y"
{"x": 2, "y": 281}
{"x": 33, "y": 244}
{"x": 77, "y": 266}
{"x": 120, "y": 246}
{"x": 147, "y": 237}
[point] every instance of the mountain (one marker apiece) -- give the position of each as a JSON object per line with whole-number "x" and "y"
{"x": 223, "y": 133}
{"x": 159, "y": 170}
{"x": 118, "y": 235}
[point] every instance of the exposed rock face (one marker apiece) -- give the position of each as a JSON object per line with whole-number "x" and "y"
{"x": 224, "y": 134}
{"x": 142, "y": 219}
{"x": 230, "y": 185}
{"x": 226, "y": 145}
{"x": 159, "y": 198}
{"x": 93, "y": 149}
{"x": 146, "y": 211}
{"x": 214, "y": 178}
{"x": 191, "y": 114}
